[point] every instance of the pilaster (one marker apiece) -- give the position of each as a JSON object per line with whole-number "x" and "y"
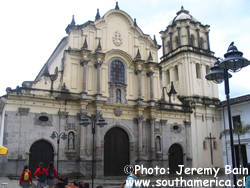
{"x": 152, "y": 128}
{"x": 99, "y": 59}
{"x": 98, "y": 68}
{"x": 139, "y": 123}
{"x": 84, "y": 64}
{"x": 84, "y": 133}
{"x": 150, "y": 74}
{"x": 208, "y": 43}
{"x": 138, "y": 73}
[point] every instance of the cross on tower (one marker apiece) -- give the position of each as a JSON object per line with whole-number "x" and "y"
{"x": 210, "y": 138}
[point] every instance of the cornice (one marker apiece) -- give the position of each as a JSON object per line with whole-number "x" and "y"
{"x": 187, "y": 49}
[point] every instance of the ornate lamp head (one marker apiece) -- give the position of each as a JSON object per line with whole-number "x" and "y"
{"x": 233, "y": 59}
{"x": 53, "y": 135}
{"x": 217, "y": 74}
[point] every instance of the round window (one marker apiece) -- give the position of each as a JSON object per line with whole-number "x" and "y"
{"x": 176, "y": 127}
{"x": 43, "y": 118}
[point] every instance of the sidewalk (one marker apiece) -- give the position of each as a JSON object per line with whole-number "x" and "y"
{"x": 11, "y": 183}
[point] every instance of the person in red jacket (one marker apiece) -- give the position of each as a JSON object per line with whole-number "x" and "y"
{"x": 40, "y": 175}
{"x": 51, "y": 174}
{"x": 25, "y": 178}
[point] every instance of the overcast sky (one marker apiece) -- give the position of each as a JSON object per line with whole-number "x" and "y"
{"x": 31, "y": 29}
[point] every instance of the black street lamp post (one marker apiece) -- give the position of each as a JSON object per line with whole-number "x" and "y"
{"x": 58, "y": 136}
{"x": 94, "y": 119}
{"x": 233, "y": 62}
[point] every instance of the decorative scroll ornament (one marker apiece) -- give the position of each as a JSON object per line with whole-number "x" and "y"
{"x": 117, "y": 38}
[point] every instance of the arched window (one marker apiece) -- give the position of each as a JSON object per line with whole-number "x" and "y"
{"x": 118, "y": 96}
{"x": 202, "y": 43}
{"x": 117, "y": 72}
{"x": 167, "y": 77}
{"x": 176, "y": 73}
{"x": 198, "y": 70}
{"x": 192, "y": 40}
{"x": 176, "y": 42}
{"x": 158, "y": 144}
{"x": 169, "y": 46}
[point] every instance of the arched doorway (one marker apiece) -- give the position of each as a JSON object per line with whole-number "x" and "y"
{"x": 116, "y": 152}
{"x": 175, "y": 158}
{"x": 40, "y": 151}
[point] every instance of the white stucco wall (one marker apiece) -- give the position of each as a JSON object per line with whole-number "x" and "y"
{"x": 242, "y": 109}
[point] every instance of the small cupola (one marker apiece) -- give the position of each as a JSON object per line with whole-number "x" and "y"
{"x": 183, "y": 15}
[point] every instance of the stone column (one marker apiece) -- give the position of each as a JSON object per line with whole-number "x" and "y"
{"x": 179, "y": 36}
{"x": 83, "y": 137}
{"x": 152, "y": 125}
{"x": 83, "y": 148}
{"x": 171, "y": 40}
{"x": 99, "y": 151}
{"x": 138, "y": 73}
{"x": 208, "y": 44}
{"x": 98, "y": 67}
{"x": 198, "y": 38}
{"x": 84, "y": 64}
{"x": 139, "y": 121}
{"x": 150, "y": 75}
{"x": 188, "y": 34}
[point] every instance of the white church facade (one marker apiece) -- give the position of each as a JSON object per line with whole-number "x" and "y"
{"x": 155, "y": 112}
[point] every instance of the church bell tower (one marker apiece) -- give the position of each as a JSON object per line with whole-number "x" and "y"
{"x": 186, "y": 59}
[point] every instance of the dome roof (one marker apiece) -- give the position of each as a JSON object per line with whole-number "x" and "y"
{"x": 183, "y": 15}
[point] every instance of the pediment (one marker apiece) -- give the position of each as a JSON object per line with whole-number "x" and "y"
{"x": 119, "y": 15}
{"x": 118, "y": 20}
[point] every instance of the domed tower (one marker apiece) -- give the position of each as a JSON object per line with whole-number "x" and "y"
{"x": 186, "y": 60}
{"x": 187, "y": 56}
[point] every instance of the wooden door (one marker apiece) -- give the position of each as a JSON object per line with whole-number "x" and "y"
{"x": 116, "y": 152}
{"x": 40, "y": 151}
{"x": 175, "y": 158}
